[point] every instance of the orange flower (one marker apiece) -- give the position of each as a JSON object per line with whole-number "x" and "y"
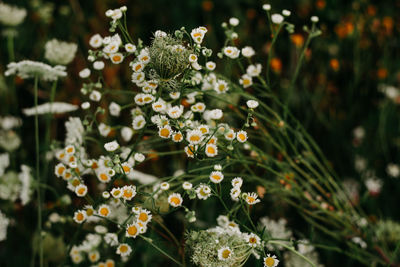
{"x": 334, "y": 64}
{"x": 382, "y": 73}
{"x": 276, "y": 65}
{"x": 207, "y": 5}
{"x": 297, "y": 39}
{"x": 320, "y": 4}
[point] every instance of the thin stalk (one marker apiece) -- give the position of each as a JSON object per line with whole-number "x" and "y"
{"x": 39, "y": 199}
{"x": 292, "y": 250}
{"x": 148, "y": 240}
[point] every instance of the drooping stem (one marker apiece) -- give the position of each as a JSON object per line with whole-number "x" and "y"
{"x": 39, "y": 200}
{"x": 279, "y": 243}
{"x": 150, "y": 241}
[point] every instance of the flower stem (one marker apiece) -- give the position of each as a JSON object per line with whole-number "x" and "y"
{"x": 148, "y": 240}
{"x": 39, "y": 200}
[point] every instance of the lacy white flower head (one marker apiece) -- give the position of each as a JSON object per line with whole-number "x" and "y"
{"x": 59, "y": 52}
{"x": 53, "y": 108}
{"x": 11, "y": 15}
{"x": 27, "y": 69}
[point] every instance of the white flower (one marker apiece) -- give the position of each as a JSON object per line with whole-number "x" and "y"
{"x": 126, "y": 133}
{"x": 198, "y": 34}
{"x": 374, "y": 185}
{"x": 241, "y": 136}
{"x": 139, "y": 157}
{"x": 164, "y": 186}
{"x": 216, "y": 177}
{"x": 266, "y": 7}
{"x": 248, "y": 51}
{"x": 85, "y": 73}
{"x": 251, "y": 198}
{"x": 114, "y": 109}
{"x": 254, "y": 70}
{"x": 81, "y": 190}
{"x": 246, "y": 81}
{"x": 232, "y": 52}
{"x": 314, "y": 19}
{"x": 286, "y": 13}
{"x": 187, "y": 185}
{"x": 237, "y": 182}
{"x": 221, "y": 86}
{"x": 104, "y": 129}
{"x": 277, "y": 18}
{"x": 160, "y": 34}
{"x": 96, "y": 41}
{"x": 233, "y": 21}
{"x": 95, "y": 96}
{"x": 210, "y": 65}
{"x": 194, "y": 136}
{"x": 175, "y": 112}
{"x": 393, "y": 170}
{"x": 59, "y": 52}
{"x": 224, "y": 253}
{"x": 11, "y": 16}
{"x": 130, "y": 48}
{"x": 138, "y": 122}
{"x": 203, "y": 191}
{"x": 252, "y": 104}
{"x": 53, "y": 108}
{"x": 30, "y": 69}
{"x": 85, "y": 105}
{"x": 98, "y": 65}
{"x": 253, "y": 240}
{"x": 4, "y": 162}
{"x": 175, "y": 200}
{"x": 124, "y": 250}
{"x": 270, "y": 261}
{"x": 111, "y": 146}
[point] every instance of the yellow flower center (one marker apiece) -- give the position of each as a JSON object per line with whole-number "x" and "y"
{"x": 226, "y": 253}
{"x": 143, "y": 217}
{"x": 104, "y": 211}
{"x": 132, "y": 230}
{"x": 269, "y": 262}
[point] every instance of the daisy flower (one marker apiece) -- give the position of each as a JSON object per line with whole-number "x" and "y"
{"x": 216, "y": 177}
{"x": 116, "y": 192}
{"x": 81, "y": 190}
{"x": 124, "y": 250}
{"x": 111, "y": 146}
{"x": 251, "y": 198}
{"x": 224, "y": 253}
{"x": 132, "y": 230}
{"x": 164, "y": 186}
{"x": 187, "y": 185}
{"x": 241, "y": 136}
{"x": 104, "y": 210}
{"x": 211, "y": 150}
{"x": 165, "y": 132}
{"x": 116, "y": 58}
{"x": 253, "y": 240}
{"x": 128, "y": 192}
{"x": 79, "y": 216}
{"x": 194, "y": 137}
{"x": 270, "y": 261}
{"x": 237, "y": 182}
{"x": 203, "y": 191}
{"x": 144, "y": 216}
{"x": 175, "y": 200}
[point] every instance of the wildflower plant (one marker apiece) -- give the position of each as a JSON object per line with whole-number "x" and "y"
{"x": 225, "y": 138}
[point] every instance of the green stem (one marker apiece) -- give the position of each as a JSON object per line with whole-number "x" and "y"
{"x": 148, "y": 240}
{"x": 10, "y": 47}
{"x": 292, "y": 250}
{"x": 39, "y": 200}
